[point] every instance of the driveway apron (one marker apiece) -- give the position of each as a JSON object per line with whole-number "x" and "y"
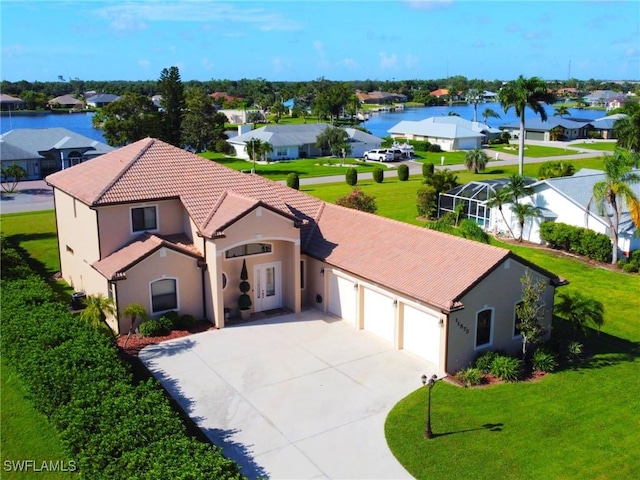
{"x": 299, "y": 396}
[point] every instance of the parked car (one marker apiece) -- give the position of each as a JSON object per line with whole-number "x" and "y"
{"x": 379, "y": 155}
{"x": 397, "y": 154}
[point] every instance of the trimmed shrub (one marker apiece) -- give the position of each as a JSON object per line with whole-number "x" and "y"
{"x": 378, "y": 174}
{"x": 293, "y": 181}
{"x": 351, "y": 176}
{"x": 484, "y": 361}
{"x": 171, "y": 319}
{"x": 506, "y": 368}
{"x": 544, "y": 361}
{"x": 358, "y": 200}
{"x": 434, "y": 148}
{"x": 471, "y": 230}
{"x": 155, "y": 327}
{"x": 469, "y": 377}
{"x": 403, "y": 172}
{"x": 578, "y": 240}
{"x": 427, "y": 201}
{"x": 428, "y": 169}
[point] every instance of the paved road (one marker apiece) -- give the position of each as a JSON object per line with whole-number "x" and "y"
{"x": 36, "y": 195}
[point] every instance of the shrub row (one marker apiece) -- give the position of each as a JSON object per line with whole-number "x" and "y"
{"x": 578, "y": 240}
{"x": 631, "y": 264}
{"x": 111, "y": 426}
{"x": 169, "y": 321}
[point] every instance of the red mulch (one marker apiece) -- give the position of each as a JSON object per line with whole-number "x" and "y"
{"x": 137, "y": 343}
{"x": 488, "y": 379}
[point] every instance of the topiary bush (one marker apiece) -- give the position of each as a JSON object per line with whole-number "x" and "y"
{"x": 351, "y": 176}
{"x": 427, "y": 169}
{"x": 293, "y": 181}
{"x": 506, "y": 368}
{"x": 403, "y": 172}
{"x": 378, "y": 174}
{"x": 434, "y": 148}
{"x": 544, "y": 361}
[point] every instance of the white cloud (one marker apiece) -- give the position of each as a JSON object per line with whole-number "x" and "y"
{"x": 388, "y": 61}
{"x": 144, "y": 63}
{"x": 350, "y": 63}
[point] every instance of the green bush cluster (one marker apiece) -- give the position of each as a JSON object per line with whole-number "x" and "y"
{"x": 544, "y": 361}
{"x": 378, "y": 174}
{"x": 504, "y": 367}
{"x": 351, "y": 176}
{"x": 578, "y": 240}
{"x": 628, "y": 265}
{"x": 434, "y": 148}
{"x": 469, "y": 377}
{"x": 403, "y": 172}
{"x": 113, "y": 427}
{"x": 156, "y": 327}
{"x": 293, "y": 181}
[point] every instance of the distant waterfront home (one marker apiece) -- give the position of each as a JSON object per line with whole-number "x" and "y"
{"x": 450, "y": 132}
{"x": 291, "y": 142}
{"x": 101, "y": 99}
{"x": 562, "y": 200}
{"x": 155, "y": 225}
{"x": 41, "y": 151}
{"x": 563, "y": 129}
{"x": 9, "y": 103}
{"x": 65, "y": 101}
{"x": 380, "y": 98}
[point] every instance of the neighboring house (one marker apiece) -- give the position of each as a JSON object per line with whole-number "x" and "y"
{"x": 615, "y": 102}
{"x": 291, "y": 142}
{"x": 562, "y": 200}
{"x": 41, "y": 151}
{"x": 564, "y": 129}
{"x": 65, "y": 101}
{"x": 241, "y": 117}
{"x": 489, "y": 96}
{"x": 599, "y": 98}
{"x": 450, "y": 132}
{"x": 101, "y": 99}
{"x": 7, "y": 102}
{"x": 222, "y": 97}
{"x": 132, "y": 226}
{"x": 380, "y": 98}
{"x": 440, "y": 92}
{"x": 157, "y": 101}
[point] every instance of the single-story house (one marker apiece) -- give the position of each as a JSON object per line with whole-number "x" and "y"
{"x": 599, "y": 98}
{"x": 134, "y": 227}
{"x": 7, "y": 102}
{"x": 299, "y": 141}
{"x": 101, "y": 99}
{"x": 65, "y": 101}
{"x": 242, "y": 116}
{"x": 41, "y": 151}
{"x": 605, "y": 126}
{"x": 563, "y": 129}
{"x": 378, "y": 97}
{"x": 562, "y": 200}
{"x": 450, "y": 132}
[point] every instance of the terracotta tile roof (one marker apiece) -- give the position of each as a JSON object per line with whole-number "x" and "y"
{"x": 115, "y": 265}
{"x": 430, "y": 266}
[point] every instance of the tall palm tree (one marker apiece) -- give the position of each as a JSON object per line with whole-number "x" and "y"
{"x": 518, "y": 187}
{"x": 523, "y": 212}
{"x": 488, "y": 113}
{"x": 474, "y": 97}
{"x": 98, "y": 307}
{"x": 627, "y": 130}
{"x": 476, "y": 159}
{"x": 561, "y": 111}
{"x": 611, "y": 194}
{"x": 580, "y": 311}
{"x": 520, "y": 94}
{"x": 498, "y": 198}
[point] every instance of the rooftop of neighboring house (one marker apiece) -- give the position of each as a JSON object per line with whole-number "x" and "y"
{"x": 28, "y": 143}
{"x": 215, "y": 197}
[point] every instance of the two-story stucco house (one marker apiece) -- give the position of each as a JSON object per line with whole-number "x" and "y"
{"x": 153, "y": 224}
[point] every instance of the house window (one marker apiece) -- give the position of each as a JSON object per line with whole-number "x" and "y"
{"x": 301, "y": 274}
{"x": 516, "y": 320}
{"x": 281, "y": 152}
{"x": 164, "y": 295}
{"x": 248, "y": 249}
{"x": 144, "y": 219}
{"x": 484, "y": 330}
{"x": 224, "y": 280}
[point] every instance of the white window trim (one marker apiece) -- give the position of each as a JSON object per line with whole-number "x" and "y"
{"x": 491, "y": 332}
{"x": 160, "y": 312}
{"x": 138, "y": 232}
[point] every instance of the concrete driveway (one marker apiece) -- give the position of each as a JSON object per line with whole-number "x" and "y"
{"x": 299, "y": 396}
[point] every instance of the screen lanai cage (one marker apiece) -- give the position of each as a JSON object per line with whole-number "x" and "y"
{"x": 474, "y": 196}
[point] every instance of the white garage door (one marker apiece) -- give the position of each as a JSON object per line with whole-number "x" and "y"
{"x": 422, "y": 334}
{"x": 342, "y": 299}
{"x": 379, "y": 314}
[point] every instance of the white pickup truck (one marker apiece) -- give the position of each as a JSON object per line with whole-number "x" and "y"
{"x": 379, "y": 155}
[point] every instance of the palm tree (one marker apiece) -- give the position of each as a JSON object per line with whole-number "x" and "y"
{"x": 488, "y": 113}
{"x": 518, "y": 187}
{"x": 520, "y": 94}
{"x": 476, "y": 159}
{"x": 498, "y": 198}
{"x": 474, "y": 97}
{"x": 579, "y": 311}
{"x": 627, "y": 130}
{"x": 135, "y": 312}
{"x": 97, "y": 308}
{"x": 613, "y": 192}
{"x": 561, "y": 111}
{"x": 523, "y": 212}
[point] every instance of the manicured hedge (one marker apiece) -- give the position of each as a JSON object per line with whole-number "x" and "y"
{"x": 578, "y": 240}
{"x": 113, "y": 427}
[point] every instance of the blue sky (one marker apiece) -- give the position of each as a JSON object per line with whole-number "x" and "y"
{"x": 306, "y": 40}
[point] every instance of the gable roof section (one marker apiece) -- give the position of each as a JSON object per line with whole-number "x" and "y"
{"x": 114, "y": 266}
{"x": 32, "y": 142}
{"x": 103, "y": 98}
{"x": 66, "y": 100}
{"x": 433, "y": 129}
{"x": 550, "y": 124}
{"x": 284, "y": 135}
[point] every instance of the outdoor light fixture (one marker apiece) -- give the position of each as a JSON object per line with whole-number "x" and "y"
{"x": 429, "y": 383}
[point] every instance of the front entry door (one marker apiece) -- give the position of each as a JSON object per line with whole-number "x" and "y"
{"x": 268, "y": 291}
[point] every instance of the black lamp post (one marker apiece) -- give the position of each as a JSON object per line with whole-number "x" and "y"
{"x": 429, "y": 383}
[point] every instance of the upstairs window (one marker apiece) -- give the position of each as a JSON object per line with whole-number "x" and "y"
{"x": 248, "y": 249}
{"x": 144, "y": 219}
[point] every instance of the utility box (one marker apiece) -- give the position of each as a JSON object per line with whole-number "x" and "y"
{"x": 78, "y": 300}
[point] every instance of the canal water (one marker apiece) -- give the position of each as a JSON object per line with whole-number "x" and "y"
{"x": 378, "y": 124}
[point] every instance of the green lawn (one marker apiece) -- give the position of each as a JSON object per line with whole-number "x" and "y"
{"x": 26, "y": 434}
{"x": 533, "y": 151}
{"x": 602, "y": 146}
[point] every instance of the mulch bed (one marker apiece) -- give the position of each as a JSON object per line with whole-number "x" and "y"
{"x": 137, "y": 343}
{"x": 488, "y": 379}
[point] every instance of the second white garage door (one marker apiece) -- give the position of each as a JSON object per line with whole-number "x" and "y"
{"x": 379, "y": 315}
{"x": 422, "y": 334}
{"x": 342, "y": 298}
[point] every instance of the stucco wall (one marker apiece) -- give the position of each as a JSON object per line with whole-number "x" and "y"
{"x": 500, "y": 290}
